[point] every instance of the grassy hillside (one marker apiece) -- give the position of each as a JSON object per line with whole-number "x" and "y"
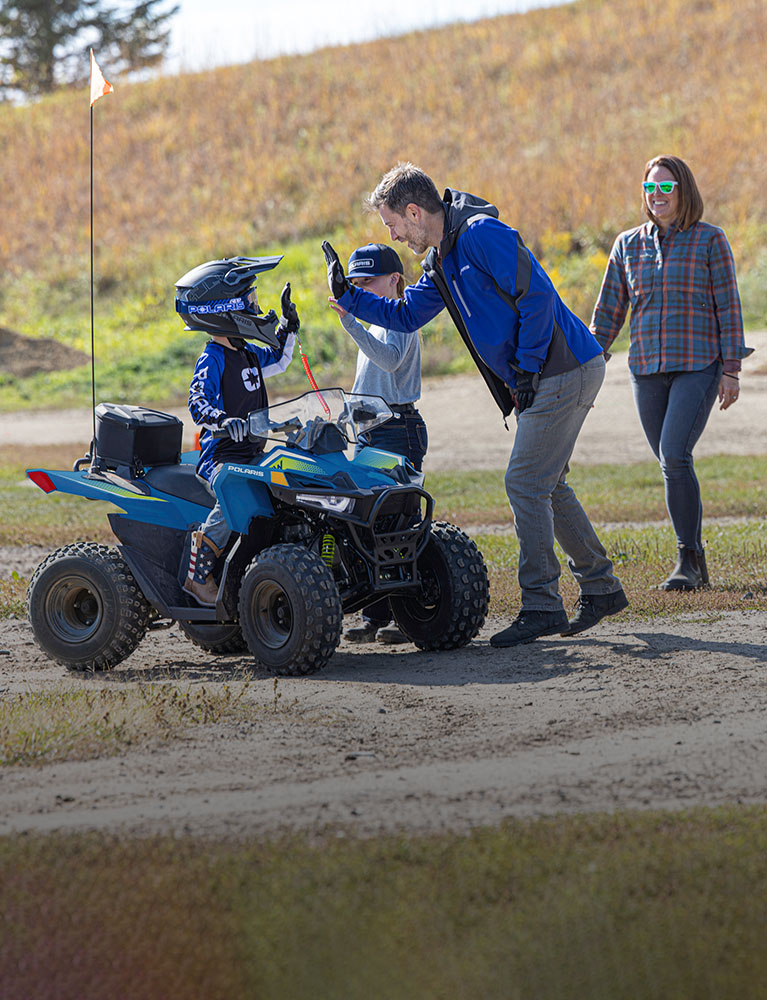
{"x": 551, "y": 115}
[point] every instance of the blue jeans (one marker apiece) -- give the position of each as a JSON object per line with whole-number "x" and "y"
{"x": 404, "y": 435}
{"x": 673, "y": 409}
{"x": 214, "y": 526}
{"x": 544, "y": 505}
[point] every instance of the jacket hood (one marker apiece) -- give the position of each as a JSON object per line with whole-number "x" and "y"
{"x": 460, "y": 206}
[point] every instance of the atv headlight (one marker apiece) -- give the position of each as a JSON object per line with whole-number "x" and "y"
{"x": 326, "y": 502}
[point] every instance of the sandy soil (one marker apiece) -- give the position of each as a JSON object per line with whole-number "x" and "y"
{"x": 628, "y": 715}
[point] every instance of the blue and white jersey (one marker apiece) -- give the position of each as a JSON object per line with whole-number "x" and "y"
{"x": 230, "y": 383}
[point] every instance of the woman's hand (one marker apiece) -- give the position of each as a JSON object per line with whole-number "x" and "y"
{"x": 729, "y": 390}
{"x": 335, "y": 306}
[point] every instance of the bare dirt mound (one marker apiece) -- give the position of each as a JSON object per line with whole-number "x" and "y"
{"x": 22, "y": 356}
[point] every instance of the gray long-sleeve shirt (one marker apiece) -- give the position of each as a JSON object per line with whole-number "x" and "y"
{"x": 388, "y": 362}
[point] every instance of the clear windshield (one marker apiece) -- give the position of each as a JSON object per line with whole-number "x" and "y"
{"x": 299, "y": 422}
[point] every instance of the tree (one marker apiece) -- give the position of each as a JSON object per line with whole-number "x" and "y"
{"x": 44, "y": 43}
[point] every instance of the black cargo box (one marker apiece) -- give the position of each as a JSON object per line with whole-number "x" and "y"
{"x": 135, "y": 437}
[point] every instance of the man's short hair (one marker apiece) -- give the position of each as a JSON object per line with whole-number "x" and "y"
{"x": 406, "y": 184}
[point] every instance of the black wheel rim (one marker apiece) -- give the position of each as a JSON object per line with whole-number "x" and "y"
{"x": 425, "y": 604}
{"x": 272, "y": 614}
{"x": 74, "y": 611}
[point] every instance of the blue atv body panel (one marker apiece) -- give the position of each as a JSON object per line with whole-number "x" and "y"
{"x": 150, "y": 506}
{"x": 242, "y": 490}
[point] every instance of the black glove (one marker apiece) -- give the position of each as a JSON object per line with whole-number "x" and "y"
{"x": 289, "y": 320}
{"x": 524, "y": 394}
{"x": 337, "y": 280}
{"x": 236, "y": 428}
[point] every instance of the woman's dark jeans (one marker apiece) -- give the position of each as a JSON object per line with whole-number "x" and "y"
{"x": 673, "y": 409}
{"x": 405, "y": 435}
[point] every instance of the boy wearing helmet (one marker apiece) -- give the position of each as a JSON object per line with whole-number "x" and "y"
{"x": 219, "y": 298}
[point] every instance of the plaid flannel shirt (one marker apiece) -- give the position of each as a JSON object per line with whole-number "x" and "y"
{"x": 685, "y": 307}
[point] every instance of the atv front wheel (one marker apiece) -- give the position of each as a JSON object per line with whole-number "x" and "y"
{"x": 450, "y": 606}
{"x": 216, "y": 639}
{"x": 290, "y": 610}
{"x": 85, "y": 607}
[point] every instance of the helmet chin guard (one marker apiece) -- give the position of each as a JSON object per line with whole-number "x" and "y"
{"x": 214, "y": 298}
{"x": 262, "y": 328}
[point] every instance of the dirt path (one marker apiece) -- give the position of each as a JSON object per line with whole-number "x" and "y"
{"x": 630, "y": 715}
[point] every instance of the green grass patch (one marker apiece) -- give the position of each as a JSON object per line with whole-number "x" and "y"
{"x": 590, "y": 907}
{"x": 624, "y": 502}
{"x": 643, "y": 557}
{"x": 144, "y": 356}
{"x": 12, "y": 596}
{"x": 731, "y": 485}
{"x": 59, "y": 724}
{"x": 52, "y": 520}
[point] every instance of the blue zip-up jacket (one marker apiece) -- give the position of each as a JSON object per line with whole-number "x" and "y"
{"x": 498, "y": 295}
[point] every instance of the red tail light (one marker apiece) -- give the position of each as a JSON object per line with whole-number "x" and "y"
{"x": 41, "y": 479}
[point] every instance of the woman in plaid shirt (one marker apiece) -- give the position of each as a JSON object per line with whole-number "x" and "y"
{"x": 686, "y": 338}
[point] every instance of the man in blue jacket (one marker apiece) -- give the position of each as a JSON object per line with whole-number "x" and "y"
{"x": 537, "y": 359}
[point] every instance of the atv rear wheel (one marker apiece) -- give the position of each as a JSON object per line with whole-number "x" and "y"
{"x": 85, "y": 607}
{"x": 216, "y": 639}
{"x": 450, "y": 607}
{"x": 290, "y": 610}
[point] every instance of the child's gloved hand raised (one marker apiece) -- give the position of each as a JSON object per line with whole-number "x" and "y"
{"x": 289, "y": 320}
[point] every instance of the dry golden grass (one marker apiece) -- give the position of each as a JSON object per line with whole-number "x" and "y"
{"x": 550, "y": 114}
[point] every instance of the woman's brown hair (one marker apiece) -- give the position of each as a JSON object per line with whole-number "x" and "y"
{"x": 690, "y": 201}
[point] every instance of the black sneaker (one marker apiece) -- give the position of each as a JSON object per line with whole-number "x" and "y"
{"x": 592, "y": 608}
{"x": 366, "y": 632}
{"x": 528, "y": 626}
{"x": 390, "y": 635}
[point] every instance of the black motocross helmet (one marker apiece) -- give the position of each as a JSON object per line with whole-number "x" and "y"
{"x": 215, "y": 298}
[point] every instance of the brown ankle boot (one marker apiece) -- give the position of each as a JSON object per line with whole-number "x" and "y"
{"x": 202, "y": 558}
{"x": 204, "y": 593}
{"x": 688, "y": 572}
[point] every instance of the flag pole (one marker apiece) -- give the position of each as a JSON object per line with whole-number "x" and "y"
{"x": 93, "y": 335}
{"x": 99, "y": 87}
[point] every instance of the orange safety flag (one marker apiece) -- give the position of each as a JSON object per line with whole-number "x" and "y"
{"x": 99, "y": 86}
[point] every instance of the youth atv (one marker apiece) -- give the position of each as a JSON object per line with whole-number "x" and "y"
{"x": 315, "y": 534}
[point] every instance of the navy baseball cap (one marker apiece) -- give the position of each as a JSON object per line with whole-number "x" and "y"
{"x": 372, "y": 260}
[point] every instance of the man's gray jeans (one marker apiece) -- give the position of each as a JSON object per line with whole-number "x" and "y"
{"x": 544, "y": 506}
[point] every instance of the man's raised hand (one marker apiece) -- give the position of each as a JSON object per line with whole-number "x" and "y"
{"x": 337, "y": 280}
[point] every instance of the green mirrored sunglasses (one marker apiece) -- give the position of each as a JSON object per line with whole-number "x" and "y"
{"x": 666, "y": 187}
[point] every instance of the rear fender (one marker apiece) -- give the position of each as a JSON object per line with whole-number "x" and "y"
{"x": 134, "y": 498}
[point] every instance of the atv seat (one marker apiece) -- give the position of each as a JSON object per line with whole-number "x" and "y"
{"x": 180, "y": 481}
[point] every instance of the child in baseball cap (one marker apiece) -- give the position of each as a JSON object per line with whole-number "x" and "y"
{"x": 388, "y": 365}
{"x": 372, "y": 260}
